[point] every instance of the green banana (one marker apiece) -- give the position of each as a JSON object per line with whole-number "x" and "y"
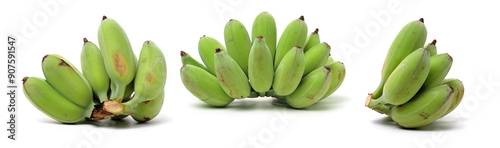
{"x": 316, "y": 57}
{"x": 410, "y": 38}
{"x": 238, "y": 43}
{"x": 440, "y": 66}
{"x": 204, "y": 86}
{"x": 52, "y": 103}
{"x": 311, "y": 89}
{"x": 458, "y": 93}
{"x": 187, "y": 59}
{"x": 206, "y": 49}
{"x": 432, "y": 48}
{"x": 260, "y": 67}
{"x": 426, "y": 107}
{"x": 338, "y": 74}
{"x": 151, "y": 75}
{"x": 231, "y": 77}
{"x": 148, "y": 110}
{"x": 67, "y": 80}
{"x": 118, "y": 57}
{"x": 295, "y": 34}
{"x": 265, "y": 26}
{"x": 289, "y": 72}
{"x": 93, "y": 69}
{"x": 312, "y": 40}
{"x": 405, "y": 80}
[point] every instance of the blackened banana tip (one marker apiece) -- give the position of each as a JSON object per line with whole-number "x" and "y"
{"x": 433, "y": 42}
{"x": 301, "y": 18}
{"x": 421, "y": 20}
{"x": 183, "y": 54}
{"x": 85, "y": 40}
{"x": 316, "y": 31}
{"x": 25, "y": 79}
{"x": 218, "y": 50}
{"x": 104, "y": 17}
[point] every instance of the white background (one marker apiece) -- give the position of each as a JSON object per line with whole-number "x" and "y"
{"x": 467, "y": 31}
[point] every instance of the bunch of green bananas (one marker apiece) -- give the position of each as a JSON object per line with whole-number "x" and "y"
{"x": 110, "y": 75}
{"x": 413, "y": 90}
{"x": 298, "y": 68}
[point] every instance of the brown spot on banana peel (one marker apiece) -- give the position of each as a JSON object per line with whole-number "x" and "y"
{"x": 63, "y": 63}
{"x": 146, "y": 102}
{"x": 424, "y": 115}
{"x": 120, "y": 65}
{"x": 150, "y": 78}
{"x": 43, "y": 59}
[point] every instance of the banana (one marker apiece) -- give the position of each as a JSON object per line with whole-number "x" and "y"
{"x": 312, "y": 40}
{"x": 311, "y": 89}
{"x": 440, "y": 66}
{"x": 187, "y": 59}
{"x": 151, "y": 75}
{"x": 265, "y": 26}
{"x": 260, "y": 67}
{"x": 316, "y": 57}
{"x": 231, "y": 77}
{"x": 93, "y": 69}
{"x": 118, "y": 57}
{"x": 295, "y": 34}
{"x": 410, "y": 38}
{"x": 148, "y": 110}
{"x": 338, "y": 74}
{"x": 405, "y": 80}
{"x": 432, "y": 48}
{"x": 238, "y": 43}
{"x": 52, "y": 103}
{"x": 206, "y": 49}
{"x": 289, "y": 72}
{"x": 67, "y": 80}
{"x": 426, "y": 107}
{"x": 458, "y": 93}
{"x": 204, "y": 86}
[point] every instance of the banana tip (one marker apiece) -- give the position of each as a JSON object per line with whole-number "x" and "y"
{"x": 421, "y": 20}
{"x": 85, "y": 40}
{"x": 316, "y": 31}
{"x": 183, "y": 54}
{"x": 25, "y": 79}
{"x": 104, "y": 17}
{"x": 433, "y": 42}
{"x": 301, "y": 18}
